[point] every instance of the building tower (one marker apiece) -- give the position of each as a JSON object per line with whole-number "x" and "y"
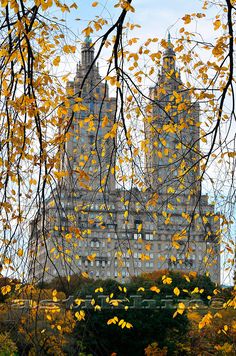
{"x": 173, "y": 133}
{"x": 89, "y": 158}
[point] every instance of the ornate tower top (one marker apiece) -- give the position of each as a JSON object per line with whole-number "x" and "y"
{"x": 169, "y": 52}
{"x": 88, "y": 40}
{"x": 87, "y": 52}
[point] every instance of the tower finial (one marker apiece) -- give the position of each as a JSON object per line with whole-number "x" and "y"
{"x": 88, "y": 40}
{"x": 169, "y": 43}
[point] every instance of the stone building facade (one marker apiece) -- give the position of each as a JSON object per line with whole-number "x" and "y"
{"x": 94, "y": 228}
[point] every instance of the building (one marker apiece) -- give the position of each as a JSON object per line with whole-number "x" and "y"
{"x": 93, "y": 227}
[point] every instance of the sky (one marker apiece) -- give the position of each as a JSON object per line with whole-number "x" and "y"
{"x": 156, "y": 18}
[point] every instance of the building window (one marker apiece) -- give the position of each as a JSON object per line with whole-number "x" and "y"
{"x": 137, "y": 236}
{"x": 149, "y": 237}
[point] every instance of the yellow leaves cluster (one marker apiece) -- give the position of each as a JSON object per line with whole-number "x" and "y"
{"x": 45, "y": 4}
{"x": 124, "y": 4}
{"x": 112, "y": 133}
{"x": 32, "y": 181}
{"x": 69, "y": 49}
{"x": 79, "y": 301}
{"x": 220, "y": 47}
{"x": 155, "y": 289}
{"x": 122, "y": 323}
{"x": 99, "y": 289}
{"x": 197, "y": 290}
{"x": 144, "y": 257}
{"x": 226, "y": 348}
{"x": 79, "y": 107}
{"x": 60, "y": 174}
{"x": 124, "y": 289}
{"x": 6, "y": 289}
{"x": 80, "y": 315}
{"x": 166, "y": 280}
{"x": 187, "y": 19}
{"x": 206, "y": 320}
{"x": 153, "y": 200}
{"x": 91, "y": 257}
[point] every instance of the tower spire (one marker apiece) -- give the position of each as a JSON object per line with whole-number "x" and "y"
{"x": 169, "y": 42}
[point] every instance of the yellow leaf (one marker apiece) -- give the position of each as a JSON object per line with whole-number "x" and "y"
{"x": 104, "y": 121}
{"x": 196, "y": 290}
{"x": 187, "y": 278}
{"x": 126, "y": 213}
{"x": 176, "y": 291}
{"x": 85, "y": 275}
{"x": 121, "y": 322}
{"x": 56, "y": 61}
{"x": 20, "y": 252}
{"x": 129, "y": 325}
{"x": 140, "y": 227}
{"x": 141, "y": 289}
{"x": 170, "y": 190}
{"x": 217, "y": 24}
{"x": 181, "y": 308}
